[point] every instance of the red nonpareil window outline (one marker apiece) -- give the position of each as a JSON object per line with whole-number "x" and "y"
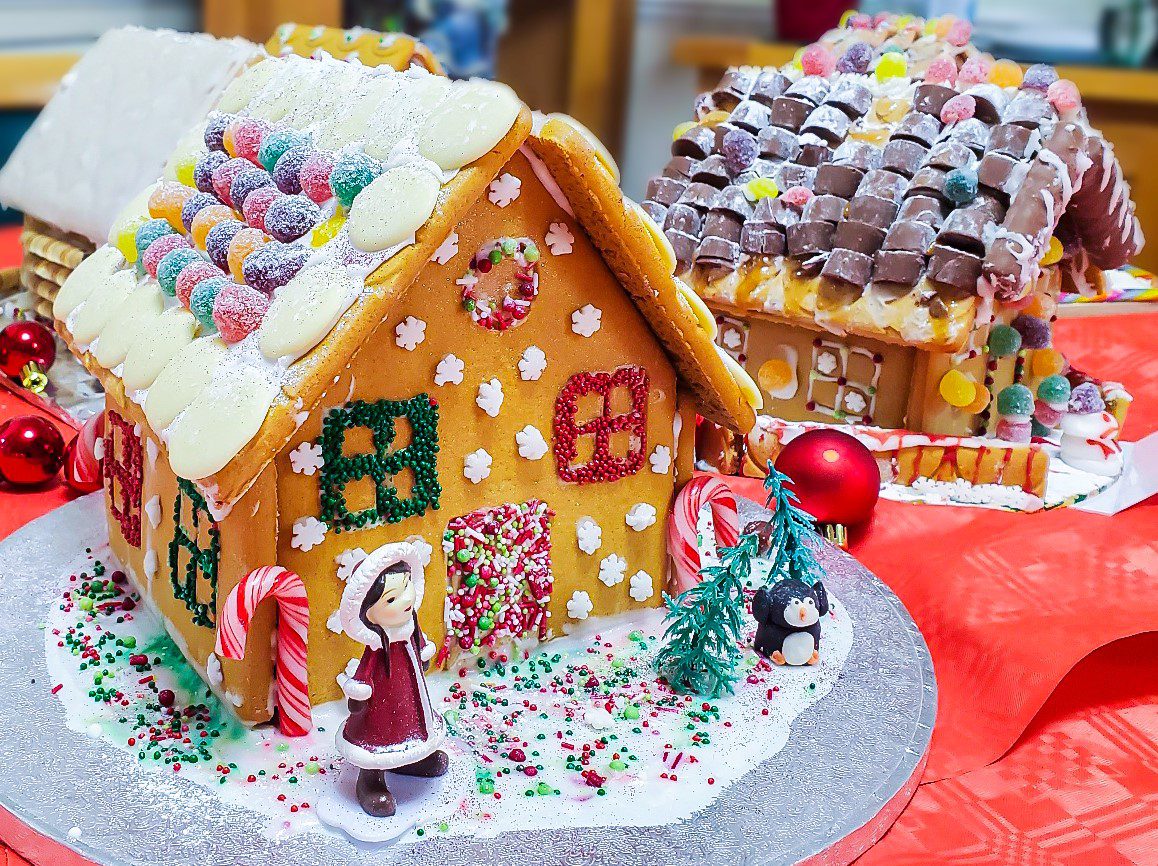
{"x": 123, "y": 469}
{"x": 603, "y": 465}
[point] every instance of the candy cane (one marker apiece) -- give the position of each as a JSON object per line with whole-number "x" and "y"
{"x": 293, "y": 621}
{"x": 681, "y": 526}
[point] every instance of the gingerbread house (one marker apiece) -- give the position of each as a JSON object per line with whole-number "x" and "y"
{"x": 882, "y": 228}
{"x": 391, "y": 306}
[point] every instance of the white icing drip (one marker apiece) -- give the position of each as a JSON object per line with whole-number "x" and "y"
{"x": 547, "y": 180}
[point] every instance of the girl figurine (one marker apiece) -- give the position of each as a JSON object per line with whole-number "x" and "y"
{"x": 391, "y": 724}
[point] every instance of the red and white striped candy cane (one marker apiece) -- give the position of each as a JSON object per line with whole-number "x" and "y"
{"x": 681, "y": 526}
{"x": 293, "y": 622}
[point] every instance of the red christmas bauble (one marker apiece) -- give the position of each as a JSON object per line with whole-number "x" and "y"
{"x": 834, "y": 475}
{"x": 25, "y": 342}
{"x": 31, "y": 450}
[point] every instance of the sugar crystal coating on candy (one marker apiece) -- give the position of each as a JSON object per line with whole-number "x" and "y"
{"x": 151, "y": 259}
{"x": 273, "y": 265}
{"x": 1014, "y": 431}
{"x": 1035, "y": 332}
{"x": 243, "y": 244}
{"x": 958, "y": 108}
{"x": 215, "y": 131}
{"x": 1064, "y": 96}
{"x": 193, "y": 206}
{"x": 247, "y": 137}
{"x": 149, "y": 232}
{"x": 1085, "y": 399}
{"x": 975, "y": 70}
{"x": 225, "y": 174}
{"x": 315, "y": 177}
{"x": 959, "y": 33}
{"x": 238, "y": 311}
{"x": 856, "y": 59}
{"x": 1054, "y": 389}
{"x": 203, "y": 296}
{"x": 891, "y": 65}
{"x": 352, "y": 173}
{"x": 1005, "y": 73}
{"x": 290, "y": 217}
{"x": 740, "y": 149}
{"x": 817, "y": 60}
{"x": 126, "y": 238}
{"x": 797, "y": 196}
{"x": 1039, "y": 77}
{"x": 167, "y": 200}
{"x": 245, "y": 183}
{"x": 171, "y": 266}
{"x": 287, "y": 171}
{"x": 1004, "y": 341}
{"x": 942, "y": 70}
{"x": 206, "y": 165}
{"x": 205, "y": 220}
{"x": 257, "y": 205}
{"x": 1015, "y": 400}
{"x": 276, "y": 143}
{"x": 191, "y": 276}
{"x": 961, "y": 186}
{"x": 1039, "y": 427}
{"x": 218, "y": 239}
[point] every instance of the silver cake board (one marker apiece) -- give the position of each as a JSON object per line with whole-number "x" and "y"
{"x": 850, "y": 766}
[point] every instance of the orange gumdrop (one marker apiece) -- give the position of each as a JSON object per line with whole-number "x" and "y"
{"x": 244, "y": 242}
{"x": 980, "y": 401}
{"x": 166, "y": 201}
{"x": 206, "y": 219}
{"x": 227, "y": 141}
{"x": 1047, "y": 362}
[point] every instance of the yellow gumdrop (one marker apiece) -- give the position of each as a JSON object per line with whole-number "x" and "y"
{"x": 682, "y": 128}
{"x": 980, "y": 401}
{"x": 798, "y": 59}
{"x": 903, "y": 22}
{"x": 326, "y": 231}
{"x": 957, "y": 389}
{"x": 126, "y": 237}
{"x": 714, "y": 117}
{"x": 1005, "y": 73}
{"x": 1053, "y": 254}
{"x": 891, "y": 65}
{"x": 1047, "y": 362}
{"x": 877, "y": 135}
{"x": 775, "y": 374}
{"x": 891, "y": 110}
{"x": 762, "y": 187}
{"x": 183, "y": 169}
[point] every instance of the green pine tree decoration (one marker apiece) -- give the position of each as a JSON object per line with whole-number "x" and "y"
{"x": 705, "y": 623}
{"x": 791, "y": 526}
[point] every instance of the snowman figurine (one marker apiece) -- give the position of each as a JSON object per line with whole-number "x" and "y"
{"x": 1089, "y": 439}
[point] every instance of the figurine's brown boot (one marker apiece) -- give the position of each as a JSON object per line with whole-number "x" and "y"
{"x": 373, "y": 795}
{"x": 434, "y": 764}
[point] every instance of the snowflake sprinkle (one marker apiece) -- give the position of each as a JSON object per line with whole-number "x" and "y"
{"x": 490, "y": 397}
{"x": 586, "y": 320}
{"x": 308, "y": 533}
{"x": 589, "y": 534}
{"x": 409, "y": 333}
{"x": 447, "y": 251}
{"x": 504, "y": 189}
{"x": 612, "y": 569}
{"x": 531, "y": 443}
{"x": 641, "y": 587}
{"x": 449, "y": 371}
{"x": 579, "y": 606}
{"x": 660, "y": 460}
{"x": 307, "y": 458}
{"x": 532, "y": 364}
{"x": 641, "y": 516}
{"x": 477, "y": 466}
{"x": 348, "y": 560}
{"x": 559, "y": 239}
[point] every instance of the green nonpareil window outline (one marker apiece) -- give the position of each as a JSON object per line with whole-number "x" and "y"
{"x": 202, "y": 563}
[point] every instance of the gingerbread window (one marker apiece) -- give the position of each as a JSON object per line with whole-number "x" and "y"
{"x": 194, "y": 555}
{"x": 123, "y": 470}
{"x": 842, "y": 382}
{"x": 601, "y": 425}
{"x": 360, "y": 448}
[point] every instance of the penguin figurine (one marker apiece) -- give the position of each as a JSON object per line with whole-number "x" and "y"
{"x": 788, "y": 621}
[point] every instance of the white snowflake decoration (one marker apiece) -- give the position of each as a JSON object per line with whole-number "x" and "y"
{"x": 586, "y": 320}
{"x": 477, "y": 466}
{"x": 307, "y": 458}
{"x": 504, "y": 189}
{"x": 348, "y": 560}
{"x": 308, "y": 533}
{"x": 589, "y": 534}
{"x": 447, "y": 250}
{"x": 423, "y": 547}
{"x": 490, "y": 397}
{"x": 532, "y": 364}
{"x": 449, "y": 371}
{"x": 410, "y": 332}
{"x": 612, "y": 568}
{"x": 532, "y": 445}
{"x": 855, "y": 402}
{"x": 732, "y": 340}
{"x": 827, "y": 363}
{"x": 660, "y": 460}
{"x": 641, "y": 516}
{"x": 153, "y": 511}
{"x": 559, "y": 239}
{"x": 641, "y": 587}
{"x": 579, "y": 606}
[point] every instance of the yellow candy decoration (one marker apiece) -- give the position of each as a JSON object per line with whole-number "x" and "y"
{"x": 1053, "y": 254}
{"x": 184, "y": 171}
{"x": 775, "y": 374}
{"x": 943, "y": 25}
{"x": 126, "y": 238}
{"x": 762, "y": 187}
{"x": 980, "y": 402}
{"x": 891, "y": 65}
{"x": 891, "y": 110}
{"x": 325, "y": 232}
{"x": 682, "y": 128}
{"x": 957, "y": 389}
{"x": 1006, "y": 73}
{"x": 714, "y": 117}
{"x": 798, "y": 59}
{"x": 1047, "y": 362}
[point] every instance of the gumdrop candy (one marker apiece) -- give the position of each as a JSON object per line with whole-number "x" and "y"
{"x": 257, "y": 204}
{"x": 225, "y": 174}
{"x": 1006, "y": 73}
{"x": 1065, "y": 96}
{"x": 184, "y": 167}
{"x": 151, "y": 259}
{"x": 856, "y": 59}
{"x": 245, "y": 183}
{"x": 290, "y": 217}
{"x": 1015, "y": 401}
{"x": 817, "y": 60}
{"x": 218, "y": 240}
{"x": 287, "y": 171}
{"x": 1048, "y": 415}
{"x": 273, "y": 265}
{"x": 890, "y": 110}
{"x": 1003, "y": 341}
{"x": 961, "y": 186}
{"x": 1019, "y": 432}
{"x": 206, "y": 165}
{"x": 1035, "y": 333}
{"x": 191, "y": 276}
{"x": 315, "y": 177}
{"x": 1039, "y": 77}
{"x": 126, "y": 238}
{"x": 215, "y": 131}
{"x": 352, "y": 173}
{"x": 238, "y": 311}
{"x": 202, "y": 298}
{"x": 891, "y": 65}
{"x": 1048, "y": 362}
{"x": 1054, "y": 390}
{"x": 327, "y": 230}
{"x": 860, "y": 21}
{"x": 243, "y": 244}
{"x": 1053, "y": 252}
{"x": 739, "y": 149}
{"x": 975, "y": 70}
{"x": 193, "y": 206}
{"x": 247, "y": 138}
{"x": 958, "y": 108}
{"x": 169, "y": 270}
{"x": 148, "y": 232}
{"x": 797, "y": 196}
{"x": 205, "y": 220}
{"x": 943, "y": 70}
{"x": 167, "y": 200}
{"x": 959, "y": 33}
{"x": 760, "y": 188}
{"x": 276, "y": 143}
{"x": 957, "y": 389}
{"x": 1086, "y": 399}
{"x": 980, "y": 401}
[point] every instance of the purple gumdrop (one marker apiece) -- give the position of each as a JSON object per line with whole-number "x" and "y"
{"x": 218, "y": 239}
{"x": 194, "y": 205}
{"x": 290, "y": 217}
{"x": 1086, "y": 399}
{"x": 247, "y": 182}
{"x": 739, "y": 149}
{"x": 215, "y": 131}
{"x": 856, "y": 58}
{"x": 1039, "y": 77}
{"x": 1035, "y": 333}
{"x": 206, "y": 165}
{"x": 272, "y": 266}
{"x": 286, "y": 173}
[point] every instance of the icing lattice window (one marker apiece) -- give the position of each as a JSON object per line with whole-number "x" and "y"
{"x": 842, "y": 381}
{"x": 380, "y": 462}
{"x": 601, "y": 425}
{"x": 732, "y": 337}
{"x": 123, "y": 469}
{"x": 196, "y": 534}
{"x": 498, "y": 572}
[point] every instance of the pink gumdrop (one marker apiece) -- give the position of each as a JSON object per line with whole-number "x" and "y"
{"x": 257, "y": 203}
{"x": 224, "y": 174}
{"x": 959, "y": 33}
{"x": 958, "y": 108}
{"x": 943, "y": 70}
{"x": 315, "y": 177}
{"x": 159, "y": 248}
{"x": 975, "y": 70}
{"x": 1064, "y": 95}
{"x": 238, "y": 311}
{"x": 191, "y": 276}
{"x": 797, "y": 196}
{"x": 817, "y": 60}
{"x": 1046, "y": 414}
{"x": 860, "y": 21}
{"x": 1014, "y": 431}
{"x": 247, "y": 139}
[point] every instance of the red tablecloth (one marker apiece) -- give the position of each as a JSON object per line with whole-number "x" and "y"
{"x": 1021, "y": 771}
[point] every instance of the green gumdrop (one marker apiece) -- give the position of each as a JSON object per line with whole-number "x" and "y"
{"x": 171, "y": 266}
{"x": 149, "y": 232}
{"x": 202, "y": 298}
{"x": 1036, "y": 428}
{"x": 1054, "y": 389}
{"x": 275, "y": 143}
{"x": 961, "y": 186}
{"x": 352, "y": 173}
{"x": 1015, "y": 400}
{"x": 1003, "y": 341}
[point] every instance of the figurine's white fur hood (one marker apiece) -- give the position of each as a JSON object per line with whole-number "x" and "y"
{"x": 350, "y": 610}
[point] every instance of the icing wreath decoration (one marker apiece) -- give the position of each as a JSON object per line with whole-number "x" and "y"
{"x": 493, "y": 302}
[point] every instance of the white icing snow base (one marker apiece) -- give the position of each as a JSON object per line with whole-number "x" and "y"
{"x": 577, "y": 734}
